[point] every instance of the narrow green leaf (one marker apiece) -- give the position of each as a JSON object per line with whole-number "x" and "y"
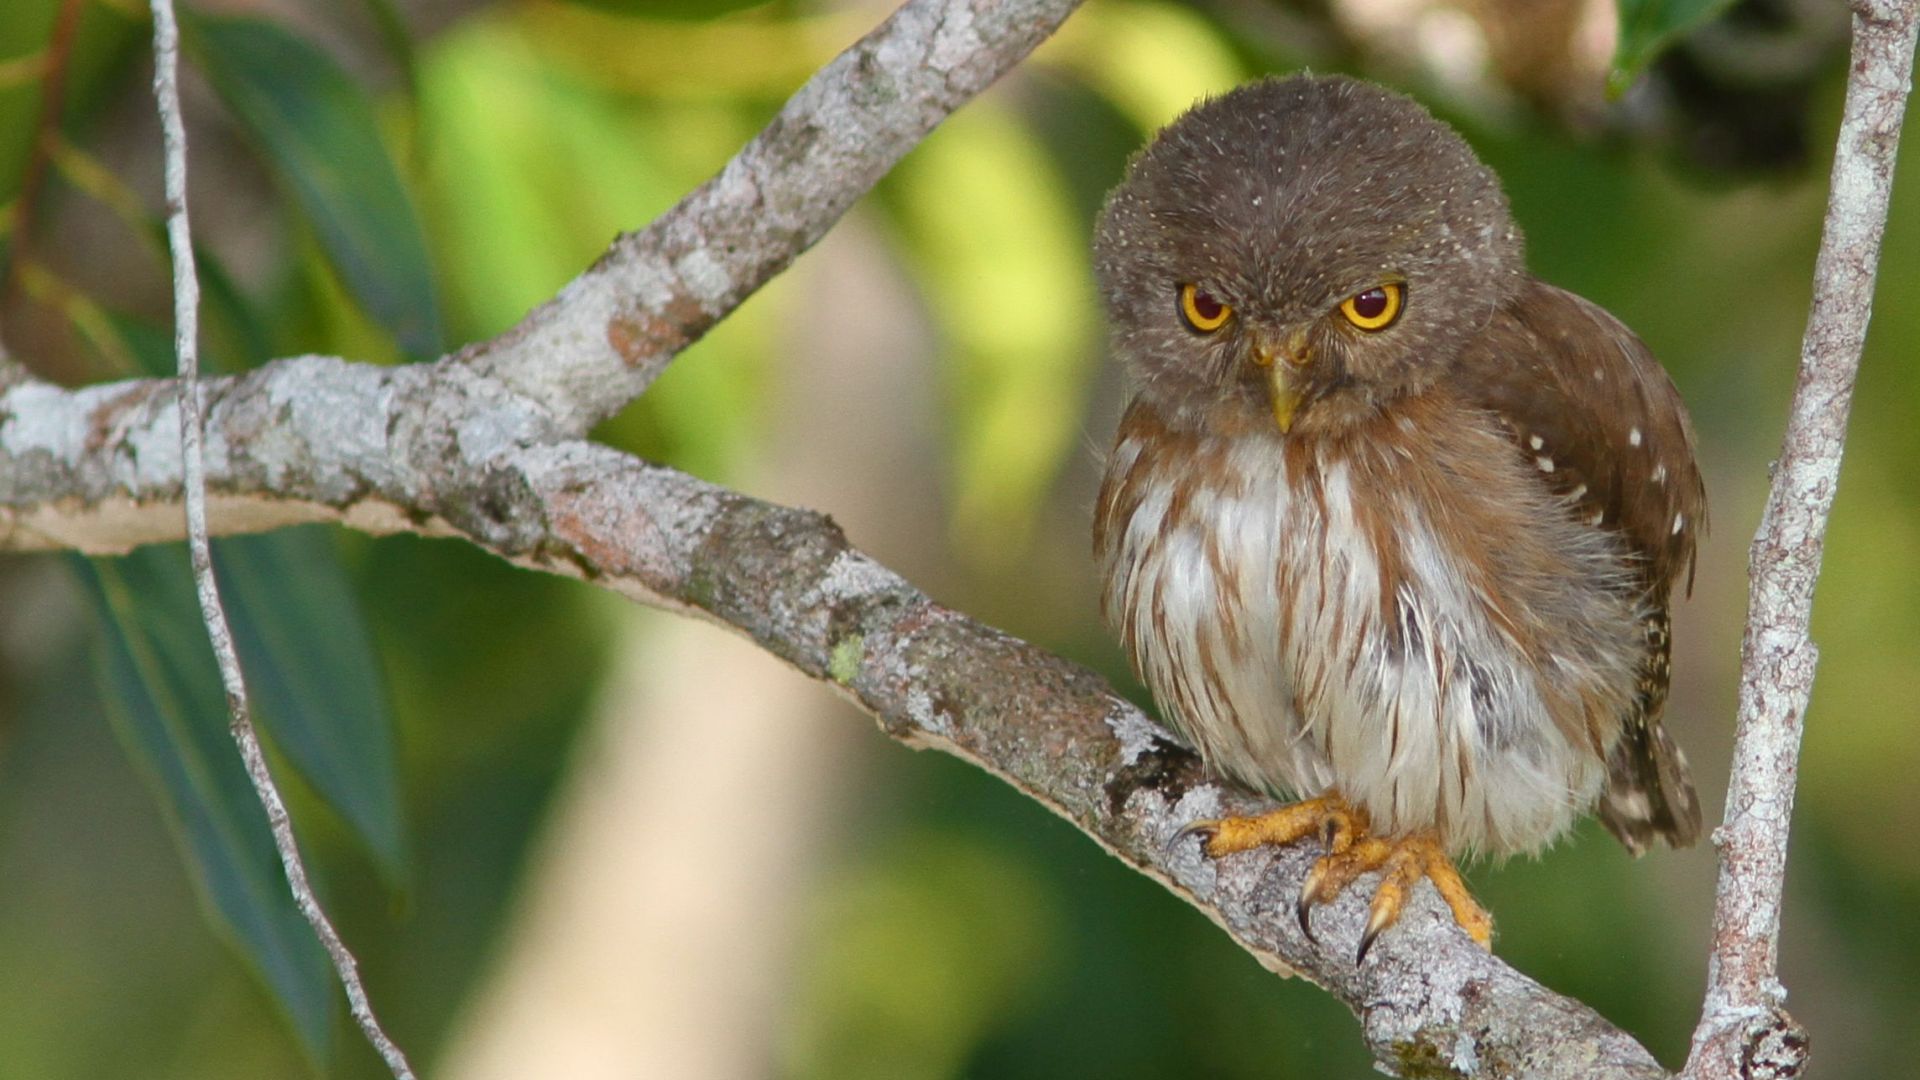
{"x": 1647, "y": 27}
{"x": 318, "y": 129}
{"x": 162, "y": 694}
{"x": 311, "y": 667}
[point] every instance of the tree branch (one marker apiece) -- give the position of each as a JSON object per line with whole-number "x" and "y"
{"x": 1744, "y": 1030}
{"x": 441, "y": 450}
{"x": 186, "y": 344}
{"x": 612, "y": 330}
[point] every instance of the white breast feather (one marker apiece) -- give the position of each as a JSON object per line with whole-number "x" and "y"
{"x": 1392, "y": 728}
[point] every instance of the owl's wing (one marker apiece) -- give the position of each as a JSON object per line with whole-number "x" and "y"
{"x": 1595, "y": 414}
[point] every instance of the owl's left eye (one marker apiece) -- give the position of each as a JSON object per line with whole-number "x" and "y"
{"x": 1375, "y": 308}
{"x": 1202, "y": 310}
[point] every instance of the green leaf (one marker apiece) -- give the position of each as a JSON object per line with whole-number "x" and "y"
{"x": 1647, "y": 27}
{"x": 162, "y": 693}
{"x": 311, "y": 668}
{"x": 1014, "y": 371}
{"x": 318, "y": 129}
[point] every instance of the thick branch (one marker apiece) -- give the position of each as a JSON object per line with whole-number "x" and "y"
{"x": 602, "y": 341}
{"x": 1743, "y": 1029}
{"x": 439, "y": 449}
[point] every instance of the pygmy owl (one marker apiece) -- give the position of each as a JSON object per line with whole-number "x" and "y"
{"x": 1391, "y": 525}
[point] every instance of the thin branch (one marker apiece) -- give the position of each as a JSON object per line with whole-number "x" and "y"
{"x": 1744, "y": 1031}
{"x": 608, "y": 334}
{"x": 436, "y": 450}
{"x": 186, "y": 334}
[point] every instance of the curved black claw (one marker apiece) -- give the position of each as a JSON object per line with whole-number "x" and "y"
{"x": 1366, "y": 942}
{"x": 1204, "y": 828}
{"x": 1302, "y": 908}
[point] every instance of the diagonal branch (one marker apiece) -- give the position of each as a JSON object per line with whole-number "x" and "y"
{"x": 609, "y": 333}
{"x": 1743, "y": 1029}
{"x": 435, "y": 451}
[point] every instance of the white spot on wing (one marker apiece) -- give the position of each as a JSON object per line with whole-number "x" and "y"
{"x": 1679, "y": 522}
{"x": 1633, "y": 437}
{"x": 1659, "y": 474}
{"x": 1545, "y": 463}
{"x": 1536, "y": 441}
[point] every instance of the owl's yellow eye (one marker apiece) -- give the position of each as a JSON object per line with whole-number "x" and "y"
{"x": 1202, "y": 310}
{"x": 1375, "y": 308}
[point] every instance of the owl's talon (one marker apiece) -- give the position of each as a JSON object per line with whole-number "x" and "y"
{"x": 1352, "y": 850}
{"x": 1366, "y": 942}
{"x": 1302, "y": 911}
{"x": 1203, "y": 828}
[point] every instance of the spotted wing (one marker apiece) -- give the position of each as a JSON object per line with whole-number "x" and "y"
{"x": 1594, "y": 413}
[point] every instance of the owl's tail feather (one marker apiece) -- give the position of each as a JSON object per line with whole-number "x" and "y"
{"x": 1649, "y": 790}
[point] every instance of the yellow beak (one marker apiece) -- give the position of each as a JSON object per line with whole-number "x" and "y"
{"x": 1284, "y": 363}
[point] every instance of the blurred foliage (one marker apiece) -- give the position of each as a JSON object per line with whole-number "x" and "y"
{"x": 1647, "y": 26}
{"x": 161, "y": 691}
{"x": 371, "y": 190}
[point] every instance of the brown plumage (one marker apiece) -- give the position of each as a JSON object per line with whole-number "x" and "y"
{"x": 1390, "y": 522}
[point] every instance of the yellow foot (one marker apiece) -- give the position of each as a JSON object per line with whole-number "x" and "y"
{"x": 1352, "y": 850}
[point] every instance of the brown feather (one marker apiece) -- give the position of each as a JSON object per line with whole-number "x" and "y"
{"x": 1606, "y": 430}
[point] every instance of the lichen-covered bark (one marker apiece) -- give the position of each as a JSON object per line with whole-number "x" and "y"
{"x": 445, "y": 450}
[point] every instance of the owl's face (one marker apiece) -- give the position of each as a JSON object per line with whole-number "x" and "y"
{"x": 1299, "y": 252}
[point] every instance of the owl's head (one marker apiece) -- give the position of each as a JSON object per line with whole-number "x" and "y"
{"x": 1299, "y": 252}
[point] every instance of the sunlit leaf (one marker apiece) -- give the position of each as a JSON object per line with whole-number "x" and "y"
{"x": 163, "y": 696}
{"x": 1014, "y": 299}
{"x": 529, "y": 174}
{"x": 318, "y": 129}
{"x": 1647, "y": 27}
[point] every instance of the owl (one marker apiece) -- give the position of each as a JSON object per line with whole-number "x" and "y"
{"x": 1390, "y": 526}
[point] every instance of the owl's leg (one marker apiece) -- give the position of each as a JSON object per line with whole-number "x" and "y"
{"x": 1328, "y": 815}
{"x": 1352, "y": 850}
